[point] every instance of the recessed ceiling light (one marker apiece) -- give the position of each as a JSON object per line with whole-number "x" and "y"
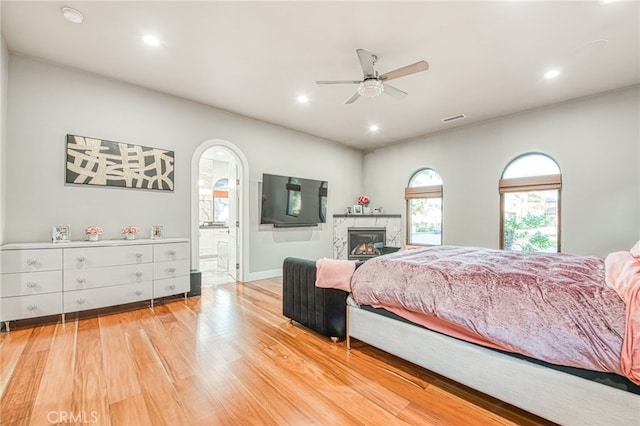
{"x": 551, "y": 74}
{"x": 151, "y": 40}
{"x": 303, "y": 99}
{"x": 374, "y": 128}
{"x": 72, "y": 15}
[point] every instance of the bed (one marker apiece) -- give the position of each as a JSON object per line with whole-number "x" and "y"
{"x": 459, "y": 329}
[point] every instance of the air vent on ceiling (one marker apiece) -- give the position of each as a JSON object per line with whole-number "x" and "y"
{"x": 453, "y": 118}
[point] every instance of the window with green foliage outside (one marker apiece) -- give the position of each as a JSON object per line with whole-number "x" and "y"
{"x": 424, "y": 208}
{"x": 530, "y": 204}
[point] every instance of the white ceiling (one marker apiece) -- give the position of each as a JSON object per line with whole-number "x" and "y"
{"x": 487, "y": 59}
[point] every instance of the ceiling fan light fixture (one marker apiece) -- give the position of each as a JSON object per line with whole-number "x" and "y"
{"x": 370, "y": 88}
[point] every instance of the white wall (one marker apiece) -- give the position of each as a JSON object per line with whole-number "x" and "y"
{"x": 4, "y": 83}
{"x": 46, "y": 102}
{"x": 595, "y": 140}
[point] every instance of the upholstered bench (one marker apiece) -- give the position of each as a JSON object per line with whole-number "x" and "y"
{"x": 321, "y": 309}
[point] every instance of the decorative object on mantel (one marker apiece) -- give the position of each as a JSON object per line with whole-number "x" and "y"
{"x": 61, "y": 234}
{"x": 130, "y": 232}
{"x": 364, "y": 200}
{"x": 156, "y": 232}
{"x": 357, "y": 209}
{"x": 93, "y": 161}
{"x": 378, "y": 210}
{"x": 93, "y": 232}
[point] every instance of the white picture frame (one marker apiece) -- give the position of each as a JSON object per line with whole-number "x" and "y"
{"x": 357, "y": 209}
{"x": 157, "y": 232}
{"x": 60, "y": 233}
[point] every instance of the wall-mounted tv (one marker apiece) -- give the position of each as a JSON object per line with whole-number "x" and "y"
{"x": 289, "y": 201}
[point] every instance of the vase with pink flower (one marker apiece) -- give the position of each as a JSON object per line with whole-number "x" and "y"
{"x": 364, "y": 201}
{"x": 130, "y": 232}
{"x": 93, "y": 232}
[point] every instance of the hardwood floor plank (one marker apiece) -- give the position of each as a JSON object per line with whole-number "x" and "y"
{"x": 161, "y": 399}
{"x": 267, "y": 394}
{"x": 17, "y": 403}
{"x": 117, "y": 360}
{"x": 56, "y": 379}
{"x": 334, "y": 360}
{"x": 201, "y": 407}
{"x": 89, "y": 383}
{"x": 129, "y": 411}
{"x": 303, "y": 393}
{"x": 162, "y": 330}
{"x": 40, "y": 339}
{"x": 11, "y": 347}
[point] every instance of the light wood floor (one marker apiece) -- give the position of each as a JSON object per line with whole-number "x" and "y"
{"x": 226, "y": 357}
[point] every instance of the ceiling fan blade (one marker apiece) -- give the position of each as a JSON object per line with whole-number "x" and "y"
{"x": 338, "y": 82}
{"x": 396, "y": 93}
{"x": 353, "y": 98}
{"x": 409, "y": 69}
{"x": 366, "y": 62}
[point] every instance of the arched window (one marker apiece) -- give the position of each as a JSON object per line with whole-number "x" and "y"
{"x": 424, "y": 208}
{"x": 530, "y": 204}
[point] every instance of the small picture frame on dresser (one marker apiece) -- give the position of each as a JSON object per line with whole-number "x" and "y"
{"x": 60, "y": 234}
{"x": 156, "y": 232}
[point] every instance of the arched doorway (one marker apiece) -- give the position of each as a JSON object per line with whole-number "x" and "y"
{"x": 218, "y": 216}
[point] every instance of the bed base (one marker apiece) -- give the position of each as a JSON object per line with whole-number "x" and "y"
{"x": 553, "y": 395}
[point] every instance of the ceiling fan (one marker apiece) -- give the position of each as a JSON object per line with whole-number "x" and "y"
{"x": 373, "y": 84}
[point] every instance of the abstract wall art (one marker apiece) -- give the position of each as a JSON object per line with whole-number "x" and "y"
{"x": 93, "y": 161}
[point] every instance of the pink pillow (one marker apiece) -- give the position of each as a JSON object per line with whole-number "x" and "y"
{"x": 332, "y": 273}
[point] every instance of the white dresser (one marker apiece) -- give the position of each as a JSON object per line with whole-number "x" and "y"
{"x": 39, "y": 279}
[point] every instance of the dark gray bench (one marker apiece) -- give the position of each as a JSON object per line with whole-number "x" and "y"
{"x": 321, "y": 309}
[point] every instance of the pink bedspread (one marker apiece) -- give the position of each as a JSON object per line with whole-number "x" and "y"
{"x": 622, "y": 273}
{"x": 553, "y": 307}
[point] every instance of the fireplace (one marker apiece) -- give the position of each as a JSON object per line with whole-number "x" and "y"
{"x": 365, "y": 243}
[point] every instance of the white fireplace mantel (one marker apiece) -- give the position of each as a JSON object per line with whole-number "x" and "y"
{"x": 341, "y": 224}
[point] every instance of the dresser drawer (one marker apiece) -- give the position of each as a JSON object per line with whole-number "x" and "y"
{"x": 39, "y": 305}
{"x": 82, "y": 300}
{"x": 170, "y": 251}
{"x": 170, "y": 286}
{"x": 30, "y": 283}
{"x": 92, "y": 257}
{"x": 79, "y": 279}
{"x": 30, "y": 260}
{"x": 173, "y": 269}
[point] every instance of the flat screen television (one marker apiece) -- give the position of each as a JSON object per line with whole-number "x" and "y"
{"x": 289, "y": 201}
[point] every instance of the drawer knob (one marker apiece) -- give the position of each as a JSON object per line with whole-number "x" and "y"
{"x": 32, "y": 307}
{"x": 138, "y": 274}
{"x": 172, "y": 253}
{"x": 32, "y": 284}
{"x": 81, "y": 259}
{"x": 172, "y": 287}
{"x": 138, "y": 255}
{"x": 138, "y": 292}
{"x": 81, "y": 280}
{"x": 31, "y": 261}
{"x": 81, "y": 301}
{"x": 172, "y": 270}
